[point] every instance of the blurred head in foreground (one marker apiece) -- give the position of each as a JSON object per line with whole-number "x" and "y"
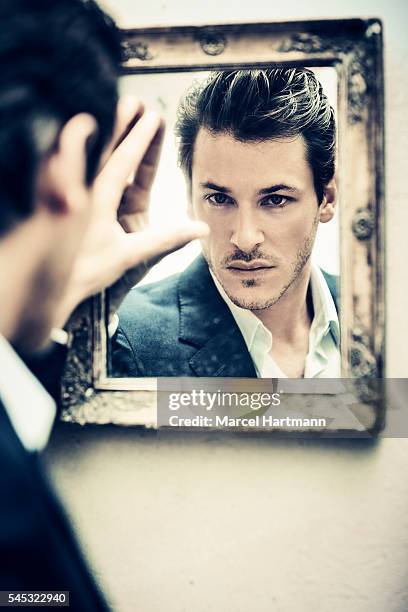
{"x": 59, "y": 64}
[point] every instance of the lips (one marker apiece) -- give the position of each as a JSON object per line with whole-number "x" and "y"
{"x": 252, "y": 266}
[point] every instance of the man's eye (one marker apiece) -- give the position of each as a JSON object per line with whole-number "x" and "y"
{"x": 275, "y": 201}
{"x": 218, "y": 199}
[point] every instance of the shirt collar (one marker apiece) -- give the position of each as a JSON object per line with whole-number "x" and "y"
{"x": 248, "y": 323}
{"x": 29, "y": 407}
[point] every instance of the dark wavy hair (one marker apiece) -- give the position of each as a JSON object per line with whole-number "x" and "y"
{"x": 57, "y": 59}
{"x": 257, "y": 105}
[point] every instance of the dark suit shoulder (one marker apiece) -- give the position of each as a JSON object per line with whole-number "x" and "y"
{"x": 147, "y": 340}
{"x": 333, "y": 283}
{"x": 150, "y": 295}
{"x": 37, "y": 547}
{"x": 20, "y": 505}
{"x": 149, "y": 309}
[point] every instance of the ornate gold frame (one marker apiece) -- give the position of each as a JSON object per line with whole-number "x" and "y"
{"x": 354, "y": 48}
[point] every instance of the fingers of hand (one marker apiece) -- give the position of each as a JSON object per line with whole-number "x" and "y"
{"x": 134, "y": 200}
{"x": 128, "y": 111}
{"x": 128, "y": 155}
{"x": 147, "y": 169}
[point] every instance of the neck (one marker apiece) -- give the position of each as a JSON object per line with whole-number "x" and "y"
{"x": 290, "y": 315}
{"x": 20, "y": 258}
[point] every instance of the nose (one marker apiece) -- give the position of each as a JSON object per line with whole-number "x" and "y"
{"x": 247, "y": 233}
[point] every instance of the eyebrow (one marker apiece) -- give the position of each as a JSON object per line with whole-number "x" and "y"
{"x": 280, "y": 187}
{"x": 265, "y": 191}
{"x": 214, "y": 187}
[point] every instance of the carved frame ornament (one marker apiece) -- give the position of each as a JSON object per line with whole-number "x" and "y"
{"x": 354, "y": 48}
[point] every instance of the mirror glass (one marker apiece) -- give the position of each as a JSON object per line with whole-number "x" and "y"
{"x": 191, "y": 324}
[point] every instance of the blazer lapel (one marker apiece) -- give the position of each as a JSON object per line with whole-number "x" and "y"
{"x": 207, "y": 323}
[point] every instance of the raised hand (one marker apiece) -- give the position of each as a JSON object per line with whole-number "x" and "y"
{"x": 120, "y": 246}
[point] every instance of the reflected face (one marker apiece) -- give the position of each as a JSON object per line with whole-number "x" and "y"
{"x": 259, "y": 201}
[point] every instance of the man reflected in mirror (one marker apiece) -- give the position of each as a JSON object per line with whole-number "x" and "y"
{"x": 257, "y": 148}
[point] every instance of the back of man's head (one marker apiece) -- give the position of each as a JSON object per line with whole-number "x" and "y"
{"x": 257, "y": 105}
{"x": 57, "y": 59}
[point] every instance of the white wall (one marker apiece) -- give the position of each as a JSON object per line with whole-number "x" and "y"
{"x": 224, "y": 523}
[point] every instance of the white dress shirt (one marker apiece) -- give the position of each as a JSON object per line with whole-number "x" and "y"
{"x": 29, "y": 407}
{"x": 323, "y": 358}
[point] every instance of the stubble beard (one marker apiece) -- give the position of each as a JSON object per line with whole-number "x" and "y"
{"x": 302, "y": 257}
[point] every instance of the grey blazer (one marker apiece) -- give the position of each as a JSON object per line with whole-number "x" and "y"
{"x": 181, "y": 326}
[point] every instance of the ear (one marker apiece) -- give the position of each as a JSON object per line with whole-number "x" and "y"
{"x": 328, "y": 205}
{"x": 62, "y": 176}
